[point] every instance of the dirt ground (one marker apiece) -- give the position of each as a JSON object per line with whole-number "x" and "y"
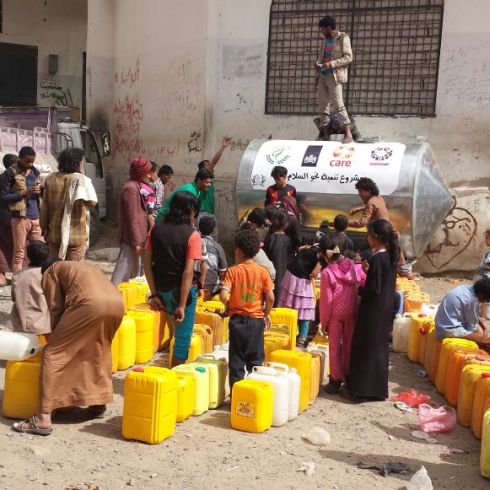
{"x": 206, "y": 453}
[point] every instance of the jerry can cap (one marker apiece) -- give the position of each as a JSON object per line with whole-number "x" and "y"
{"x": 139, "y": 369}
{"x": 201, "y": 369}
{"x": 422, "y": 315}
{"x": 485, "y": 375}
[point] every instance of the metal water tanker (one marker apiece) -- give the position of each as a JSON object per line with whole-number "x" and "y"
{"x": 325, "y": 173}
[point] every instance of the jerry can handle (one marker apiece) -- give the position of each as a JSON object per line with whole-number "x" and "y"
{"x": 278, "y": 365}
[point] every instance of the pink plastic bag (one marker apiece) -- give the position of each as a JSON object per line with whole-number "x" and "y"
{"x": 436, "y": 419}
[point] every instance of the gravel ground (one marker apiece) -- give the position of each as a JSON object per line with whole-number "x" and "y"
{"x": 206, "y": 453}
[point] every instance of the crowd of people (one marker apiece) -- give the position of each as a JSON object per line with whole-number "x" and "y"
{"x": 173, "y": 240}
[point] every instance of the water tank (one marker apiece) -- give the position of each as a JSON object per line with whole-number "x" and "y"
{"x": 325, "y": 173}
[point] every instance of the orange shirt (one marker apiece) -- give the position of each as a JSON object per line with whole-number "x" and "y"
{"x": 247, "y": 284}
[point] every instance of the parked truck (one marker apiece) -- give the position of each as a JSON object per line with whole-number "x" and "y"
{"x": 49, "y": 131}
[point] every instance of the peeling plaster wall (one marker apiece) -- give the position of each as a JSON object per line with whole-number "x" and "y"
{"x": 55, "y": 27}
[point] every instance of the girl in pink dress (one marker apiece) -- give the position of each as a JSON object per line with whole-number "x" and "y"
{"x": 339, "y": 304}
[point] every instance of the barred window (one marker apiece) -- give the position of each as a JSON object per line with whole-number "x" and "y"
{"x": 395, "y": 44}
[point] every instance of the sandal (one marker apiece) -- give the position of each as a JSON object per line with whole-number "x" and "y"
{"x": 29, "y": 426}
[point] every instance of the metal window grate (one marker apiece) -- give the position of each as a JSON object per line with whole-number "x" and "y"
{"x": 395, "y": 43}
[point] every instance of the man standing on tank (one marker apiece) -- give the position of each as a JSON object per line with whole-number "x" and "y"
{"x": 332, "y": 63}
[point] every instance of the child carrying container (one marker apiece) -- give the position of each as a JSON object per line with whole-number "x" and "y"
{"x": 339, "y": 304}
{"x": 248, "y": 285}
{"x": 297, "y": 288}
{"x": 277, "y": 246}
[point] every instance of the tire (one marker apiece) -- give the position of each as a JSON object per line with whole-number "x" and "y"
{"x": 94, "y": 231}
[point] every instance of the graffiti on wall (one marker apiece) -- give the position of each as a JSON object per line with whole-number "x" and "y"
{"x": 184, "y": 96}
{"x": 455, "y": 234}
{"x": 128, "y": 76}
{"x": 54, "y": 94}
{"x": 128, "y": 111}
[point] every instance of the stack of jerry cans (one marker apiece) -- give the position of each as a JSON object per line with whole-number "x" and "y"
{"x": 251, "y": 405}
{"x": 150, "y": 404}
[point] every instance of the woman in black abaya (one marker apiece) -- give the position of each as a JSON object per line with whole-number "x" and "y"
{"x": 368, "y": 375}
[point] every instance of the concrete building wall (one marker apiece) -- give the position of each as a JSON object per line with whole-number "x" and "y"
{"x": 186, "y": 73}
{"x": 55, "y": 27}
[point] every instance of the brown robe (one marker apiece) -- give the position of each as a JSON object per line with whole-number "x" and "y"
{"x": 86, "y": 310}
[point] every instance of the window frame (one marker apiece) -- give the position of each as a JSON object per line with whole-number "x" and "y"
{"x": 435, "y": 9}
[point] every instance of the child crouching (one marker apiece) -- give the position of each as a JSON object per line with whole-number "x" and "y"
{"x": 248, "y": 285}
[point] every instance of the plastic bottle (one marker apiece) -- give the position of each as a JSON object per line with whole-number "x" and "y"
{"x": 401, "y": 330}
{"x": 280, "y": 384}
{"x": 17, "y": 346}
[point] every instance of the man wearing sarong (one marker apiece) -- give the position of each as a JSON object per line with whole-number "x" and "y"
{"x": 86, "y": 310}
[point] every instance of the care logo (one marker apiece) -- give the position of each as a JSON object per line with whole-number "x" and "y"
{"x": 343, "y": 152}
{"x": 381, "y": 153}
{"x": 278, "y": 155}
{"x": 311, "y": 156}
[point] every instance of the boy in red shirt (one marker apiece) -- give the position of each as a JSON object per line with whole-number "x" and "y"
{"x": 248, "y": 284}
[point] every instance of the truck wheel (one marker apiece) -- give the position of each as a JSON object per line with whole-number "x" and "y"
{"x": 94, "y": 226}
